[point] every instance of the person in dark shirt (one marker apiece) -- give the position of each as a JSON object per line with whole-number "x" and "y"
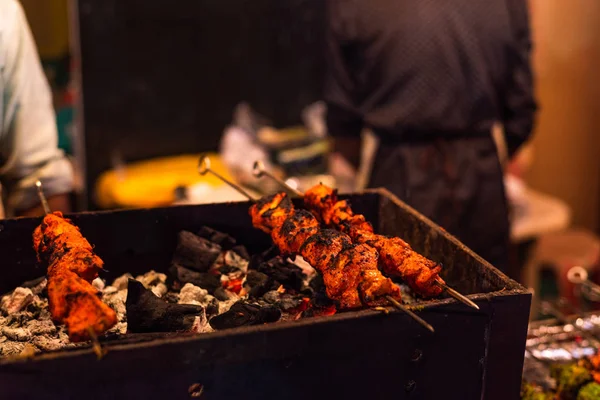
{"x": 430, "y": 78}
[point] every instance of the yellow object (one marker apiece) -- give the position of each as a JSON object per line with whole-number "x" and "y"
{"x": 152, "y": 183}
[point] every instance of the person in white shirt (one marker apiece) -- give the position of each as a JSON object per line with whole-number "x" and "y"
{"x": 28, "y": 133}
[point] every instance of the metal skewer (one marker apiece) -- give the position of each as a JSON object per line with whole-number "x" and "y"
{"x": 40, "y": 192}
{"x": 579, "y": 276}
{"x": 204, "y": 168}
{"x": 96, "y": 346}
{"x": 259, "y": 170}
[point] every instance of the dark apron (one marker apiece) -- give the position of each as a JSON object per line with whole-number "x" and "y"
{"x": 457, "y": 183}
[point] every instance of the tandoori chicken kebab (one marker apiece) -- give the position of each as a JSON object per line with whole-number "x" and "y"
{"x": 396, "y": 257}
{"x": 349, "y": 271}
{"x": 71, "y": 266}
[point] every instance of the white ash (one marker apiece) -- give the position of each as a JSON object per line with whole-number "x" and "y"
{"x": 115, "y": 296}
{"x": 120, "y": 328}
{"x": 407, "y": 294}
{"x": 190, "y": 294}
{"x": 40, "y": 287}
{"x": 224, "y": 306}
{"x": 16, "y": 334}
{"x": 121, "y": 282}
{"x": 160, "y": 289}
{"x": 115, "y": 299}
{"x": 233, "y": 259}
{"x": 98, "y": 283}
{"x": 154, "y": 281}
{"x": 30, "y": 329}
{"x": 151, "y": 278}
{"x": 306, "y": 268}
{"x": 201, "y": 324}
{"x": 17, "y": 300}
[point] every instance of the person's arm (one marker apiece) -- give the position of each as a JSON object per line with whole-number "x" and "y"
{"x": 29, "y": 138}
{"x": 519, "y": 106}
{"x": 344, "y": 121}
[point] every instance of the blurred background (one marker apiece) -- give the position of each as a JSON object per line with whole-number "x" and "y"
{"x": 142, "y": 87}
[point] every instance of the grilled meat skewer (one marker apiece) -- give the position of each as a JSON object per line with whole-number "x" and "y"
{"x": 397, "y": 258}
{"x": 349, "y": 271}
{"x": 71, "y": 266}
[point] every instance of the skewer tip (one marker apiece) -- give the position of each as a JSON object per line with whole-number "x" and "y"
{"x": 411, "y": 314}
{"x": 458, "y": 296}
{"x": 43, "y": 201}
{"x": 577, "y": 275}
{"x": 203, "y": 164}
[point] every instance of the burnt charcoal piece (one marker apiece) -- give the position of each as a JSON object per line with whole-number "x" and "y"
{"x": 194, "y": 252}
{"x": 171, "y": 297}
{"x": 221, "y": 294}
{"x": 317, "y": 283}
{"x": 147, "y": 313}
{"x": 212, "y": 308}
{"x": 259, "y": 283}
{"x": 258, "y": 259}
{"x": 241, "y": 251}
{"x": 220, "y": 238}
{"x": 287, "y": 274}
{"x": 242, "y": 314}
{"x": 228, "y": 269}
{"x": 204, "y": 280}
{"x": 321, "y": 300}
{"x": 289, "y": 302}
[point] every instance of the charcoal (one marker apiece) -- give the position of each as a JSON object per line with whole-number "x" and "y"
{"x": 289, "y": 302}
{"x": 244, "y": 314}
{"x": 222, "y": 239}
{"x": 204, "y": 280}
{"x": 171, "y": 297}
{"x": 212, "y": 308}
{"x": 241, "y": 251}
{"x": 259, "y": 283}
{"x": 317, "y": 283}
{"x": 257, "y": 259}
{"x": 287, "y": 274}
{"x": 229, "y": 269}
{"x": 222, "y": 294}
{"x": 195, "y": 252}
{"x": 148, "y": 313}
{"x": 321, "y": 300}
{"x": 272, "y": 297}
